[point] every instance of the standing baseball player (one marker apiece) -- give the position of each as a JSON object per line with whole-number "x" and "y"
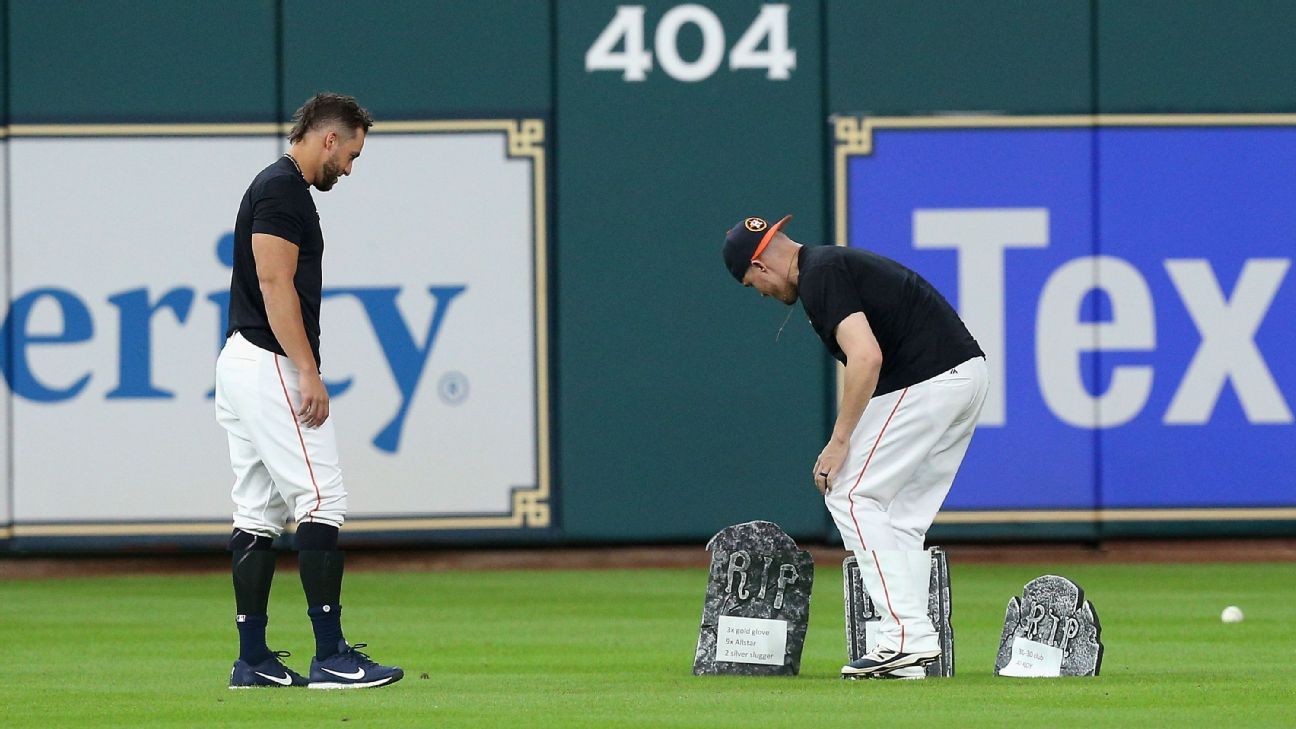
{"x": 271, "y": 401}
{"x": 914, "y": 386}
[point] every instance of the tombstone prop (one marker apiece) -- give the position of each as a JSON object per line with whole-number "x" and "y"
{"x": 862, "y": 615}
{"x": 757, "y": 603}
{"x": 1051, "y": 630}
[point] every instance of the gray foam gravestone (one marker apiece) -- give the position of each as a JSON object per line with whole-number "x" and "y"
{"x": 861, "y": 612}
{"x": 757, "y": 605}
{"x": 1054, "y": 613}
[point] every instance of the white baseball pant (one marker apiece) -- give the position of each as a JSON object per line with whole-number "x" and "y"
{"x": 282, "y": 469}
{"x": 901, "y": 462}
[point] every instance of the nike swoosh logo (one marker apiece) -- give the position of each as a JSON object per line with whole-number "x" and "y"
{"x": 353, "y": 676}
{"x": 285, "y": 681}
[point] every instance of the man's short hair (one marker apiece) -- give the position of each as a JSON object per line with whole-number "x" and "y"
{"x": 325, "y": 109}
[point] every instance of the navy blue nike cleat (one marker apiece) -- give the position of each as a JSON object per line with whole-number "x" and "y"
{"x": 885, "y": 660}
{"x": 349, "y": 668}
{"x": 270, "y": 673}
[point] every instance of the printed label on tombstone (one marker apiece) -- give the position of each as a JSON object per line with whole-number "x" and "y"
{"x": 1031, "y": 659}
{"x": 751, "y": 640}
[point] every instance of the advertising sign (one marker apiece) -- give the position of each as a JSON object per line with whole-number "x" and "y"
{"x": 1128, "y": 278}
{"x": 434, "y": 341}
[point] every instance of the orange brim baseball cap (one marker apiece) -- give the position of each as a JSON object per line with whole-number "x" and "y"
{"x": 745, "y": 242}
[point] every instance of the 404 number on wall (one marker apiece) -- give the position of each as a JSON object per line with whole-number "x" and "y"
{"x": 626, "y": 31}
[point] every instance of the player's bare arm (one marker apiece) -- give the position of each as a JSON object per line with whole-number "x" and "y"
{"x": 276, "y": 264}
{"x": 863, "y": 366}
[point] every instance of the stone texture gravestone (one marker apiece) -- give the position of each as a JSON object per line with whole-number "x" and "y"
{"x": 1051, "y": 630}
{"x": 757, "y": 605}
{"x": 862, "y": 615}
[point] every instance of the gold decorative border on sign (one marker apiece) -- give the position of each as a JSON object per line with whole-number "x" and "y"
{"x": 853, "y": 136}
{"x": 529, "y": 507}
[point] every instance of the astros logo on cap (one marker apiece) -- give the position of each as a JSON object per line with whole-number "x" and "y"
{"x": 755, "y": 225}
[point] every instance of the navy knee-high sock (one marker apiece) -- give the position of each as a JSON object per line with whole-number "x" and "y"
{"x": 320, "y": 565}
{"x": 252, "y": 565}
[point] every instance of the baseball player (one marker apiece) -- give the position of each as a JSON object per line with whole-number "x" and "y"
{"x": 271, "y": 401}
{"x": 914, "y": 386}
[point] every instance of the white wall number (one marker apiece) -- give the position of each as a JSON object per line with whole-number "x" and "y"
{"x": 772, "y": 27}
{"x": 667, "y": 40}
{"x": 634, "y": 62}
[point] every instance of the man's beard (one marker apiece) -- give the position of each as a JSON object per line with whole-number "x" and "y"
{"x": 329, "y": 176}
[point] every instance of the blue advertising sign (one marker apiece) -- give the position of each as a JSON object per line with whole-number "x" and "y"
{"x": 1129, "y": 283}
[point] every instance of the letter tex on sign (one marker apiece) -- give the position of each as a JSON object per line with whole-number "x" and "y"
{"x": 1227, "y": 324}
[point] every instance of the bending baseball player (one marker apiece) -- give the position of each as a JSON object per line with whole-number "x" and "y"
{"x": 914, "y": 386}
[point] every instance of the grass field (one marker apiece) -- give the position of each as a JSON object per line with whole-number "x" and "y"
{"x": 614, "y": 648}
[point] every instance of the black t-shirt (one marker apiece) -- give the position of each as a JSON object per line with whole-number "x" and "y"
{"x": 278, "y": 202}
{"x": 919, "y": 333}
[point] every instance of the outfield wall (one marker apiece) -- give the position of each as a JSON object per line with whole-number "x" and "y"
{"x": 528, "y": 331}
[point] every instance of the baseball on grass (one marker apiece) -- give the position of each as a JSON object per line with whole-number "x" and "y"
{"x": 1231, "y": 614}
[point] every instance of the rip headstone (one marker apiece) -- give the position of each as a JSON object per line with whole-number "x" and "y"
{"x": 862, "y": 615}
{"x": 757, "y": 603}
{"x": 1051, "y": 630}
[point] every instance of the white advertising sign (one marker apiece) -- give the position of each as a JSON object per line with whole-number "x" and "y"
{"x": 433, "y": 335}
{"x": 6, "y": 488}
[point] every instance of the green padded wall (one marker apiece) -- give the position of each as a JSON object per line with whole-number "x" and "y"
{"x": 675, "y": 411}
{"x": 412, "y": 60}
{"x": 902, "y": 57}
{"x": 131, "y": 61}
{"x": 1195, "y": 56}
{"x": 678, "y": 412}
